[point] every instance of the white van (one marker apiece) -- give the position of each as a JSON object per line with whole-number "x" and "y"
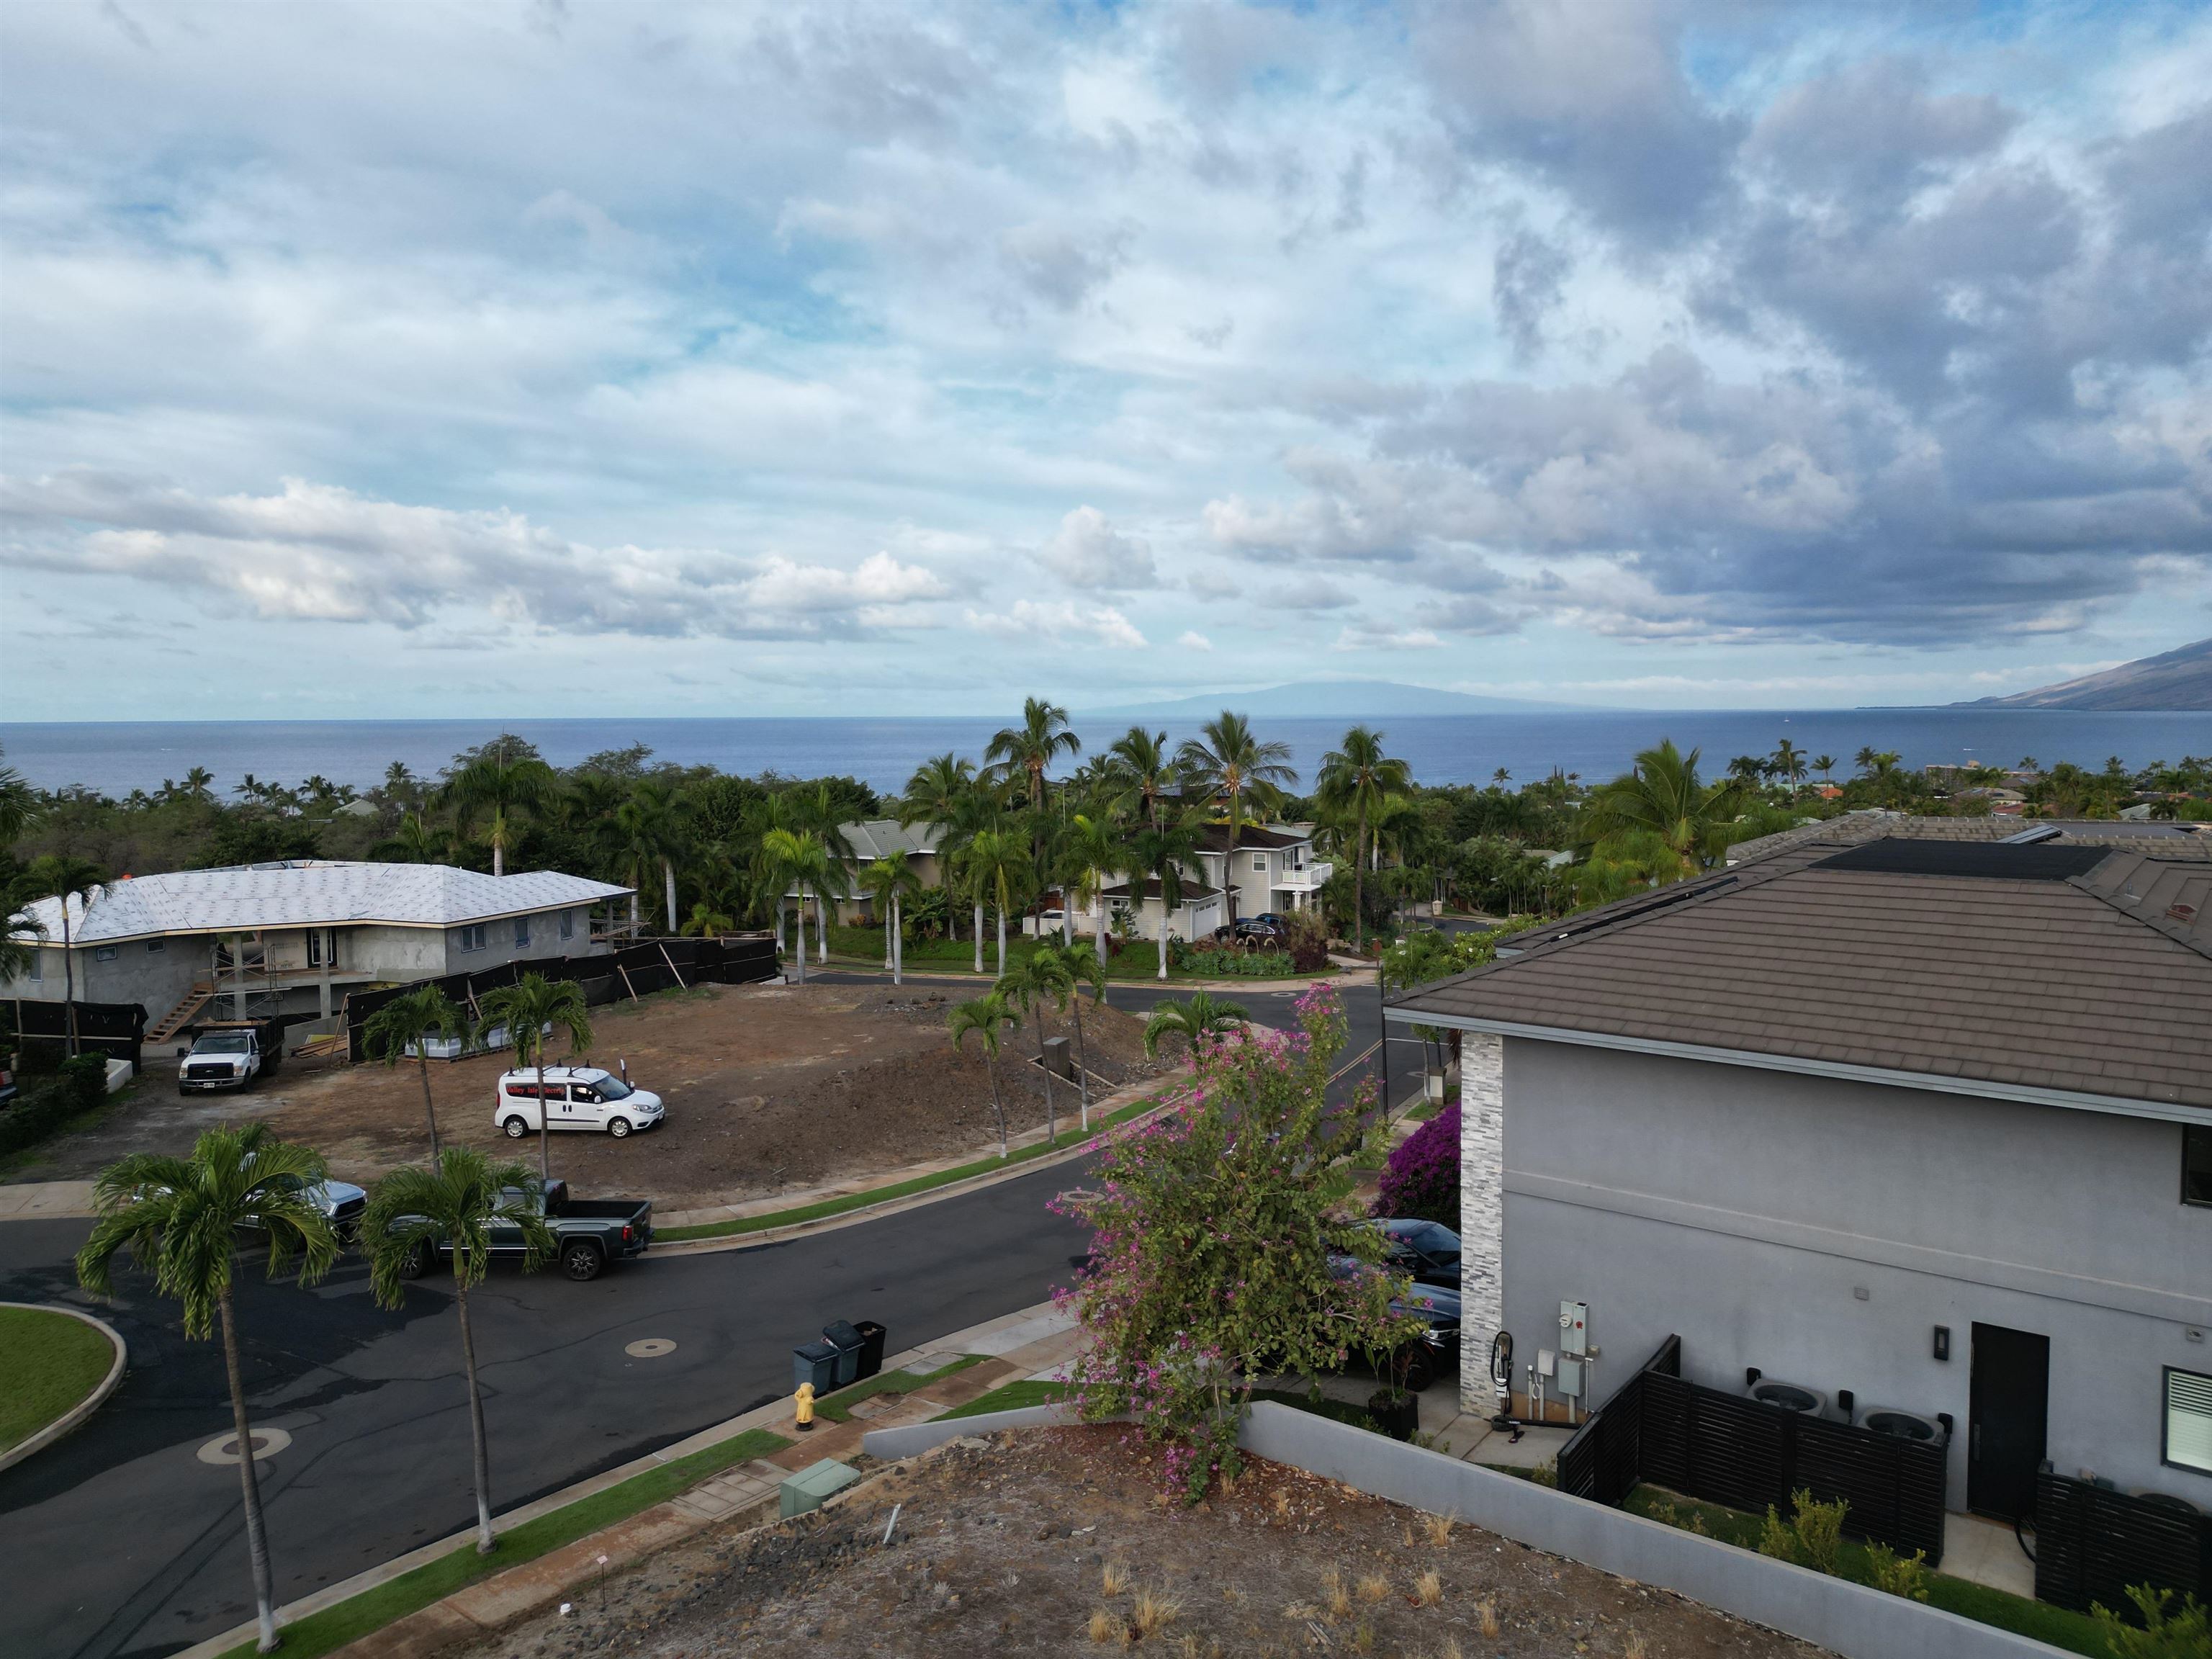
{"x": 578, "y": 1098}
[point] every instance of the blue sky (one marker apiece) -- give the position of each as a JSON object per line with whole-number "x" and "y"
{"x": 561, "y": 359}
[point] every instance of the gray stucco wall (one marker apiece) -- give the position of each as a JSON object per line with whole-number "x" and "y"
{"x": 1744, "y": 1210}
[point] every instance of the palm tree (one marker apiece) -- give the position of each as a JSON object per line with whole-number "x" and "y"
{"x": 1230, "y": 762}
{"x": 179, "y": 1219}
{"x": 64, "y": 876}
{"x": 412, "y": 842}
{"x": 984, "y": 1016}
{"x": 997, "y": 863}
{"x": 19, "y": 805}
{"x": 1203, "y": 1016}
{"x": 794, "y": 862}
{"x": 705, "y": 920}
{"x": 887, "y": 881}
{"x": 1029, "y": 749}
{"x": 816, "y": 811}
{"x": 1354, "y": 780}
{"x": 1824, "y": 764}
{"x": 1864, "y": 759}
{"x": 940, "y": 790}
{"x": 1664, "y": 796}
{"x": 1158, "y": 852}
{"x": 1500, "y": 778}
{"x": 492, "y": 782}
{"x": 975, "y": 814}
{"x": 1144, "y": 773}
{"x": 1066, "y": 968}
{"x": 653, "y": 827}
{"x": 526, "y": 1008}
{"x": 1790, "y": 764}
{"x": 1094, "y": 849}
{"x": 411, "y": 1020}
{"x": 459, "y": 1203}
{"x": 1042, "y": 978}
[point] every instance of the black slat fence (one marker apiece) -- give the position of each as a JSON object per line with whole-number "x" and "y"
{"x": 2091, "y": 1543}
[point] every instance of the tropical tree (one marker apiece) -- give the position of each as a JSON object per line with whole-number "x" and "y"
{"x": 1354, "y": 781}
{"x": 19, "y": 805}
{"x": 792, "y": 860}
{"x": 1158, "y": 852}
{"x": 500, "y": 784}
{"x": 1664, "y": 796}
{"x": 652, "y": 830}
{"x": 998, "y": 864}
{"x": 705, "y": 920}
{"x": 1788, "y": 765}
{"x": 67, "y": 879}
{"x": 180, "y": 1219}
{"x": 1230, "y": 763}
{"x": 1145, "y": 774}
{"x": 1203, "y": 1015}
{"x": 887, "y": 881}
{"x": 412, "y": 842}
{"x": 1081, "y": 970}
{"x": 527, "y": 1008}
{"x": 411, "y": 1020}
{"x": 1094, "y": 849}
{"x": 1824, "y": 765}
{"x": 1028, "y": 751}
{"x": 1041, "y": 980}
{"x": 457, "y": 1203}
{"x": 984, "y": 1017}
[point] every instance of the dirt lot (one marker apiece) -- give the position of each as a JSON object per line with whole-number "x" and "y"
{"x": 769, "y": 1089}
{"x": 1006, "y": 1548}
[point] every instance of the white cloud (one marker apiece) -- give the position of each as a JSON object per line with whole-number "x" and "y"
{"x": 1087, "y": 551}
{"x": 1031, "y": 620}
{"x": 1367, "y": 635}
{"x": 1192, "y": 640}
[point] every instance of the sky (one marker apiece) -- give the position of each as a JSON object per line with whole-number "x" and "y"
{"x": 558, "y": 359}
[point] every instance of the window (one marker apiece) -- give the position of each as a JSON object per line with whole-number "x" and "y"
{"x": 568, "y": 924}
{"x": 521, "y": 931}
{"x": 105, "y": 953}
{"x": 1259, "y": 863}
{"x": 38, "y": 965}
{"x": 2196, "y": 1163}
{"x": 2188, "y": 1441}
{"x": 472, "y": 937}
{"x": 155, "y": 946}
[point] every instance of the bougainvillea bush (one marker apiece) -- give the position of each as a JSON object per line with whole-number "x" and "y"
{"x": 1223, "y": 1230}
{"x": 1422, "y": 1178}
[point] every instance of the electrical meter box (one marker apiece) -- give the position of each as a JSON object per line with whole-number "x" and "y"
{"x": 1574, "y": 1328}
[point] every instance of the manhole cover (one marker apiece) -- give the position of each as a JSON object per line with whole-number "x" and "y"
{"x": 650, "y": 1348}
{"x": 223, "y": 1448}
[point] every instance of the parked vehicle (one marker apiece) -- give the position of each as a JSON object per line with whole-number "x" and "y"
{"x": 8, "y": 1089}
{"x": 229, "y": 1054}
{"x": 341, "y": 1203}
{"x": 576, "y": 1097}
{"x": 1427, "y": 1249}
{"x": 587, "y": 1233}
{"x": 1436, "y": 1349}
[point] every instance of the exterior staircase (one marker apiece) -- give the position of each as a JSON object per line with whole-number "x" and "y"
{"x": 177, "y": 1018}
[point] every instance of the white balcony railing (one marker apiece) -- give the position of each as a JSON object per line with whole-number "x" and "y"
{"x": 1314, "y": 872}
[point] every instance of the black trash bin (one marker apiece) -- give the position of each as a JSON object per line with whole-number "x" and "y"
{"x": 872, "y": 1346}
{"x": 841, "y": 1335}
{"x": 815, "y": 1363}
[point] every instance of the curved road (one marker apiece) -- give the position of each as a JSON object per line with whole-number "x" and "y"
{"x": 120, "y": 1541}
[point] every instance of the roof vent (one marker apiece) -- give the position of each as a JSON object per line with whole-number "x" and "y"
{"x": 2033, "y": 834}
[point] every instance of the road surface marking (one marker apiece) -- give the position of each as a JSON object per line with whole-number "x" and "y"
{"x": 223, "y": 1448}
{"x": 650, "y": 1348}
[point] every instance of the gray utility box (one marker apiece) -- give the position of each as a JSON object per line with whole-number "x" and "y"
{"x": 812, "y": 1484}
{"x": 1059, "y": 1057}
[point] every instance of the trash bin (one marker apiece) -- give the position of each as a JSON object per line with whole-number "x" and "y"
{"x": 840, "y": 1336}
{"x": 815, "y": 1363}
{"x": 872, "y": 1346}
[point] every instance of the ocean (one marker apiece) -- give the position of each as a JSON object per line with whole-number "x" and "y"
{"x": 115, "y": 757}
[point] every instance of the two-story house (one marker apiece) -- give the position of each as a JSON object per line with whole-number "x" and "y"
{"x": 1271, "y": 870}
{"x": 1925, "y": 1123}
{"x": 285, "y": 939}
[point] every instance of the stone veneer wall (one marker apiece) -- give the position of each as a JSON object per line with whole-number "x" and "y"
{"x": 1481, "y": 1214}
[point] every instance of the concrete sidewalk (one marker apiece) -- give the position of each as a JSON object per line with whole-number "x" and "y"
{"x": 46, "y": 1201}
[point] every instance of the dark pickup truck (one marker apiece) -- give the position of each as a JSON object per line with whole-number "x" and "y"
{"x": 587, "y": 1232}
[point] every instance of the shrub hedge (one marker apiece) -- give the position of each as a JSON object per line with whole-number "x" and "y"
{"x": 47, "y": 1105}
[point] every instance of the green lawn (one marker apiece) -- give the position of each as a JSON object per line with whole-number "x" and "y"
{"x": 1010, "y": 1397}
{"x": 838, "y": 1407}
{"x": 2074, "y": 1631}
{"x": 1135, "y": 963}
{"x": 333, "y": 1627}
{"x": 897, "y": 1190}
{"x": 48, "y": 1362}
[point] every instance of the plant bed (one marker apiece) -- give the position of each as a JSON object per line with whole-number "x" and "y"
{"x": 1059, "y": 1541}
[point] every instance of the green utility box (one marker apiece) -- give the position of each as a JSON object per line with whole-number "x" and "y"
{"x": 808, "y": 1488}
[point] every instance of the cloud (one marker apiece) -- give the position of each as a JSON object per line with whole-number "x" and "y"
{"x": 1528, "y": 277}
{"x": 1030, "y": 621}
{"x": 1192, "y": 640}
{"x": 1059, "y": 266}
{"x": 320, "y": 553}
{"x": 1368, "y": 634}
{"x": 1087, "y": 551}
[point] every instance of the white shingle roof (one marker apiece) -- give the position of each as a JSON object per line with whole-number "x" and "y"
{"x": 876, "y": 838}
{"x": 310, "y": 893}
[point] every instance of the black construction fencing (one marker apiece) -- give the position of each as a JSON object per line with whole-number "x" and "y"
{"x": 636, "y": 970}
{"x": 2091, "y": 1543}
{"x": 1725, "y": 1449}
{"x": 115, "y": 1030}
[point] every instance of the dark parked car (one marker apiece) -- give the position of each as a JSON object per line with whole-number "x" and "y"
{"x": 587, "y": 1233}
{"x": 1436, "y": 1350}
{"x": 1258, "y": 930}
{"x": 1427, "y": 1249}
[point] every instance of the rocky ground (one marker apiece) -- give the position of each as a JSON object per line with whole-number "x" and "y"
{"x": 1059, "y": 1541}
{"x": 769, "y": 1089}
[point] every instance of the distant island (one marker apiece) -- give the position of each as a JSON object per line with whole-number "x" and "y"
{"x": 1329, "y": 699}
{"x": 2172, "y": 682}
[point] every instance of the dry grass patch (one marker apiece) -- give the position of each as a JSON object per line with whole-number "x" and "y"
{"x": 1428, "y": 1589}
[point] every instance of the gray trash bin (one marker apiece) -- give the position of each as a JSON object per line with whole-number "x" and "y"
{"x": 815, "y": 1363}
{"x": 840, "y": 1335}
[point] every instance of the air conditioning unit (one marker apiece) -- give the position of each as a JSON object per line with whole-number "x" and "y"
{"x": 1788, "y": 1396}
{"x": 1903, "y": 1425}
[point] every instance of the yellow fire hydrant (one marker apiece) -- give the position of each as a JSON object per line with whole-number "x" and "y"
{"x": 805, "y": 1401}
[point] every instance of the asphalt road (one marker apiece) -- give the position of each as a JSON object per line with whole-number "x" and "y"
{"x": 120, "y": 1541}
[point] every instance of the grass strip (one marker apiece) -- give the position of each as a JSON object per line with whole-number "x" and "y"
{"x": 48, "y": 1363}
{"x": 898, "y": 1189}
{"x": 356, "y": 1616}
{"x": 1010, "y": 1397}
{"x": 1982, "y": 1603}
{"x": 838, "y": 1407}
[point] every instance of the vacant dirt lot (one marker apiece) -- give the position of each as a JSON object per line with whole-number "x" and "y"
{"x": 1006, "y": 1548}
{"x": 769, "y": 1089}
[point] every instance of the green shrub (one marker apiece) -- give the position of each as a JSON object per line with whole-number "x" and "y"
{"x": 45, "y": 1106}
{"x": 1898, "y": 1575}
{"x": 1814, "y": 1537}
{"x": 2185, "y": 1634}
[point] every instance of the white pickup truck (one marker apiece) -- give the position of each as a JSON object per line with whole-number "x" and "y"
{"x": 230, "y": 1055}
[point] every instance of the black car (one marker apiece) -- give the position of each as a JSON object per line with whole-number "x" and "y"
{"x": 1257, "y": 930}
{"x": 1426, "y": 1249}
{"x": 1418, "y": 1362}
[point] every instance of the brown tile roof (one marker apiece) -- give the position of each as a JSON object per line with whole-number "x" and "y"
{"x": 1214, "y": 838}
{"x": 1870, "y": 824}
{"x": 2096, "y": 982}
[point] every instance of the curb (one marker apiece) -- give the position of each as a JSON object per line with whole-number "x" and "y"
{"x": 84, "y": 1408}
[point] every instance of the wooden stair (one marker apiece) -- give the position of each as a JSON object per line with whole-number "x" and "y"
{"x": 180, "y": 1016}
